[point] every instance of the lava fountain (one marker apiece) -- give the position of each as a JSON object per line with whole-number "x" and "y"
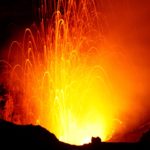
{"x": 58, "y": 75}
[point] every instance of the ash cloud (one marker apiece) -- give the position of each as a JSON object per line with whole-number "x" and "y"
{"x": 128, "y": 31}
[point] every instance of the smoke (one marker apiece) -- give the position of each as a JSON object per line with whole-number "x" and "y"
{"x": 127, "y": 40}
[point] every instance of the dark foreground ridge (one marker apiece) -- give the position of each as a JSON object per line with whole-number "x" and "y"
{"x": 17, "y": 137}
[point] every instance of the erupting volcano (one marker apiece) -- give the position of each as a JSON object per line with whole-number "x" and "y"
{"x": 74, "y": 74}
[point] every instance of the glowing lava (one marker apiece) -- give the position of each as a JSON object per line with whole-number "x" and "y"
{"x": 56, "y": 76}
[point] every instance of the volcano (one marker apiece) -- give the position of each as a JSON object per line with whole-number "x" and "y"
{"x": 77, "y": 68}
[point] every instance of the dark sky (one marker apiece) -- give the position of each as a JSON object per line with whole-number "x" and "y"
{"x": 14, "y": 15}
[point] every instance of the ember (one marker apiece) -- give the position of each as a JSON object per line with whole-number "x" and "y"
{"x": 68, "y": 76}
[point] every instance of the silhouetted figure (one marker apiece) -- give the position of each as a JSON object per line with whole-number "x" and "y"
{"x": 95, "y": 140}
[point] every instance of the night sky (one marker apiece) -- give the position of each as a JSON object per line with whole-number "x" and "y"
{"x": 15, "y": 15}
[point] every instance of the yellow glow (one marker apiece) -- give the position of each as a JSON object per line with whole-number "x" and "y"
{"x": 62, "y": 79}
{"x": 80, "y": 108}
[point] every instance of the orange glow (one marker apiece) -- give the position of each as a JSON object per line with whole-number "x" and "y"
{"x": 68, "y": 78}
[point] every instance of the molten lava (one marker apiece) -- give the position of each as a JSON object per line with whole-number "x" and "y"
{"x": 65, "y": 77}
